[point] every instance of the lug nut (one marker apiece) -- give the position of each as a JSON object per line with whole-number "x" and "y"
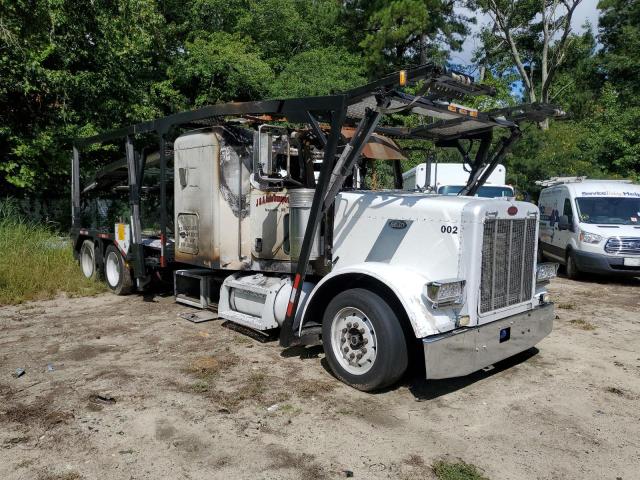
{"x": 342, "y": 340}
{"x": 363, "y": 350}
{"x": 346, "y": 349}
{"x": 349, "y": 325}
{"x": 361, "y": 331}
{"x": 359, "y": 356}
{"x": 365, "y": 341}
{"x": 356, "y": 325}
{"x": 352, "y": 356}
{"x": 344, "y": 330}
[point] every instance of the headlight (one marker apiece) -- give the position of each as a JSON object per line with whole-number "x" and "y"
{"x": 444, "y": 292}
{"x": 587, "y": 237}
{"x": 546, "y": 271}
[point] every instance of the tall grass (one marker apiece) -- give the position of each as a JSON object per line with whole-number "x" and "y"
{"x": 35, "y": 263}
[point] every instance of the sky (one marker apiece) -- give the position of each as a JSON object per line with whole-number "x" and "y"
{"x": 585, "y": 11}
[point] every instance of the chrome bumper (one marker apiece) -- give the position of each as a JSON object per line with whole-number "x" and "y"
{"x": 467, "y": 350}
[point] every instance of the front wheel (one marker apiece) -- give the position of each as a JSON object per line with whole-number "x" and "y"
{"x": 363, "y": 340}
{"x": 573, "y": 272}
{"x": 116, "y": 272}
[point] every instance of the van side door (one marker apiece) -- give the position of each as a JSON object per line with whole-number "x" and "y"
{"x": 565, "y": 227}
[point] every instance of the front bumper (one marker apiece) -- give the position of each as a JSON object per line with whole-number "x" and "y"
{"x": 467, "y": 350}
{"x": 604, "y": 264}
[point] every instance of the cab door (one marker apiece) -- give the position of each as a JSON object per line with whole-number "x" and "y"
{"x": 548, "y": 205}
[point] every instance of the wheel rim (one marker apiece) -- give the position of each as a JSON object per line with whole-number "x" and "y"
{"x": 87, "y": 262}
{"x": 112, "y": 269}
{"x": 353, "y": 340}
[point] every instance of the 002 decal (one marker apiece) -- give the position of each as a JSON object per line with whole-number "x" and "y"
{"x": 452, "y": 229}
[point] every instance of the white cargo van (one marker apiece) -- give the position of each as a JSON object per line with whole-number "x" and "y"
{"x": 591, "y": 225}
{"x": 450, "y": 178}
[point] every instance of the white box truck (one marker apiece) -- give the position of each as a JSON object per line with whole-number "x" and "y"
{"x": 369, "y": 274}
{"x": 591, "y": 226}
{"x": 450, "y": 178}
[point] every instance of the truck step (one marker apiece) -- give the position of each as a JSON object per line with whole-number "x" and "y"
{"x": 195, "y": 287}
{"x": 246, "y": 320}
{"x": 262, "y": 336}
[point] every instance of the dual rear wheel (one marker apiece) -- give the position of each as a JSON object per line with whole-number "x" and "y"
{"x": 116, "y": 273}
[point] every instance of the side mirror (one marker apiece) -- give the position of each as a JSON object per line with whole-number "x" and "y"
{"x": 563, "y": 223}
{"x": 265, "y": 150}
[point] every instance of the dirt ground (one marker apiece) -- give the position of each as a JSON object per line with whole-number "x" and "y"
{"x": 121, "y": 388}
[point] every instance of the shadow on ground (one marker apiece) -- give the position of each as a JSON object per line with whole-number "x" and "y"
{"x": 424, "y": 390}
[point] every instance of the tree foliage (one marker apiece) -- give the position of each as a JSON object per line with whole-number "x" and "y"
{"x": 401, "y": 32}
{"x": 72, "y": 68}
{"x": 596, "y": 83}
{"x": 531, "y": 35}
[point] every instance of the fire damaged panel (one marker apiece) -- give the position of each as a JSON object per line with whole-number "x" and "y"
{"x": 211, "y": 197}
{"x": 236, "y": 153}
{"x": 196, "y": 198}
{"x": 188, "y": 233}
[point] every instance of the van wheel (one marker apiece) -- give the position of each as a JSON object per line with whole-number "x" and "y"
{"x": 573, "y": 272}
{"x": 88, "y": 260}
{"x": 117, "y": 274}
{"x": 363, "y": 340}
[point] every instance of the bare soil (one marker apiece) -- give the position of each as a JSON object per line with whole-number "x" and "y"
{"x": 134, "y": 392}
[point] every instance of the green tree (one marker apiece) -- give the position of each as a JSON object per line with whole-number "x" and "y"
{"x": 619, "y": 34}
{"x": 320, "y": 71}
{"x": 406, "y": 32}
{"x": 531, "y": 36}
{"x": 69, "y": 69}
{"x": 218, "y": 67}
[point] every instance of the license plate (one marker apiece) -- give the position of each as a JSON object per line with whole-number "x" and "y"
{"x": 631, "y": 262}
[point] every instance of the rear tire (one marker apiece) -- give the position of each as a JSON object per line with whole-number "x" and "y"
{"x": 364, "y": 324}
{"x": 87, "y": 260}
{"x": 573, "y": 272}
{"x": 116, "y": 272}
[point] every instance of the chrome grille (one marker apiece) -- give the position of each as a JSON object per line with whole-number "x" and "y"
{"x": 623, "y": 245}
{"x": 508, "y": 248}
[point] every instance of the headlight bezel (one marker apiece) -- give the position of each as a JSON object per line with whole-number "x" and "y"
{"x": 590, "y": 238}
{"x": 448, "y": 292}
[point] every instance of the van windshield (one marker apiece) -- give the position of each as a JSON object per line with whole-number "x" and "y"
{"x": 609, "y": 210}
{"x": 484, "y": 191}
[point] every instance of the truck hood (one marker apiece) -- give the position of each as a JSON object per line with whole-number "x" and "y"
{"x": 422, "y": 232}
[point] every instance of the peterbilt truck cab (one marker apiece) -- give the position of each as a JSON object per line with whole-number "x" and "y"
{"x": 276, "y": 228}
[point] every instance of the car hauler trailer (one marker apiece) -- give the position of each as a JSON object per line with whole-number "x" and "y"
{"x": 229, "y": 200}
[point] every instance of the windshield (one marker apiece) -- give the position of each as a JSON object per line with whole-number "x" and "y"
{"x": 485, "y": 191}
{"x": 609, "y": 210}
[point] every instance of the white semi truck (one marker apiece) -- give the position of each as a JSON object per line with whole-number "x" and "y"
{"x": 230, "y": 203}
{"x": 450, "y": 179}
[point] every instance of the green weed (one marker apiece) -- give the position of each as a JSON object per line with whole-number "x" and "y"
{"x": 456, "y": 471}
{"x": 35, "y": 263}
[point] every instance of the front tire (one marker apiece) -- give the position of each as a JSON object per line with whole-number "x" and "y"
{"x": 363, "y": 340}
{"x": 573, "y": 272}
{"x": 116, "y": 272}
